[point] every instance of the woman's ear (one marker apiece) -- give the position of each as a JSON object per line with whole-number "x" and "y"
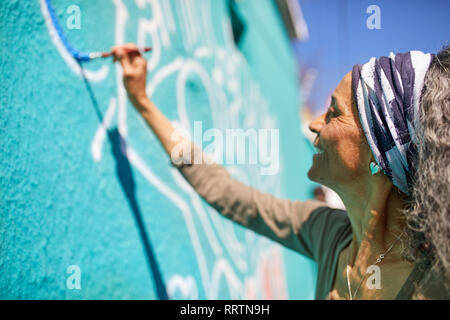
{"x": 374, "y": 167}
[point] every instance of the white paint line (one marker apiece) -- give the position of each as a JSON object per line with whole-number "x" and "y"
{"x": 148, "y": 174}
{"x": 186, "y": 285}
{"x": 100, "y": 134}
{"x": 94, "y": 76}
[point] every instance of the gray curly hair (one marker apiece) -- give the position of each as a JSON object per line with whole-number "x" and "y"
{"x": 427, "y": 211}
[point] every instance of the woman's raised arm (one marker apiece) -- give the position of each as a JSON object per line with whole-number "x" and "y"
{"x": 134, "y": 68}
{"x": 275, "y": 218}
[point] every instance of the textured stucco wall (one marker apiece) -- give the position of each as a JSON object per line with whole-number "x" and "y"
{"x": 69, "y": 193}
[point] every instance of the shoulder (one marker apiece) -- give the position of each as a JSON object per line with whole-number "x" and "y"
{"x": 330, "y": 220}
{"x": 328, "y": 229}
{"x": 331, "y": 230}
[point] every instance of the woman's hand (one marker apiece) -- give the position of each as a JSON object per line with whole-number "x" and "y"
{"x": 134, "y": 76}
{"x": 134, "y": 68}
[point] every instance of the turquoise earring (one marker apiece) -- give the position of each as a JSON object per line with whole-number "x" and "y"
{"x": 374, "y": 168}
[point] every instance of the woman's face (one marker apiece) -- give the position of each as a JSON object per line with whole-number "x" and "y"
{"x": 344, "y": 154}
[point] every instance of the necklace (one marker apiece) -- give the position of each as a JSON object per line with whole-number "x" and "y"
{"x": 379, "y": 259}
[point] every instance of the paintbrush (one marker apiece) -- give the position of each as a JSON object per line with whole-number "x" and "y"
{"x": 95, "y": 55}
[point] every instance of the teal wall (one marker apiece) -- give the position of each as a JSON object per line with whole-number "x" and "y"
{"x": 84, "y": 183}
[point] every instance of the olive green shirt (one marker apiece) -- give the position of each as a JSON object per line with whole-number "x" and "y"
{"x": 308, "y": 227}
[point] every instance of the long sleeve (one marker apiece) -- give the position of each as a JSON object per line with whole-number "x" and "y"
{"x": 278, "y": 219}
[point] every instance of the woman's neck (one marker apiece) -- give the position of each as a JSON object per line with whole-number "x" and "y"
{"x": 374, "y": 210}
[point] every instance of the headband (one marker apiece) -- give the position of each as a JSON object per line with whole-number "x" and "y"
{"x": 387, "y": 93}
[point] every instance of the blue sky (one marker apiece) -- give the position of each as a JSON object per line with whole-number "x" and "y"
{"x": 339, "y": 38}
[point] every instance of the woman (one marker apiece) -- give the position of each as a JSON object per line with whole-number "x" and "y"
{"x": 383, "y": 146}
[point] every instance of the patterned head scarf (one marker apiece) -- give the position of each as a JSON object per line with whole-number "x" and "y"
{"x": 387, "y": 93}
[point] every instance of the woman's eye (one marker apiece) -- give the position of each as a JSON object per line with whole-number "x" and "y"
{"x": 329, "y": 114}
{"x": 332, "y": 111}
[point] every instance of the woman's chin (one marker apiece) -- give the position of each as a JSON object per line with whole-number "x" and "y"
{"x": 316, "y": 174}
{"x": 319, "y": 161}
{"x": 313, "y": 170}
{"x": 312, "y": 173}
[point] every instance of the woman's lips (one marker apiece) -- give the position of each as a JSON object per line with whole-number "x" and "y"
{"x": 319, "y": 149}
{"x": 317, "y": 146}
{"x": 317, "y": 155}
{"x": 319, "y": 152}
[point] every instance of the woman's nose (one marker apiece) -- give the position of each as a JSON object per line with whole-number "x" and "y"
{"x": 317, "y": 124}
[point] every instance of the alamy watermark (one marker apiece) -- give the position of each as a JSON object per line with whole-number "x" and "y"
{"x": 74, "y": 280}
{"x": 230, "y": 146}
{"x": 74, "y": 19}
{"x": 374, "y": 280}
{"x": 374, "y": 20}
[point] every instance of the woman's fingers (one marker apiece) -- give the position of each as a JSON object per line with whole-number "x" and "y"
{"x": 134, "y": 70}
{"x": 125, "y": 49}
{"x": 128, "y": 47}
{"x": 126, "y": 65}
{"x": 122, "y": 56}
{"x": 126, "y": 54}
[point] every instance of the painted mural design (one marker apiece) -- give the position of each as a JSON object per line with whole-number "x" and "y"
{"x": 238, "y": 267}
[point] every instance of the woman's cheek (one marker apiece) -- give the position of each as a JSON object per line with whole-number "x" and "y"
{"x": 344, "y": 160}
